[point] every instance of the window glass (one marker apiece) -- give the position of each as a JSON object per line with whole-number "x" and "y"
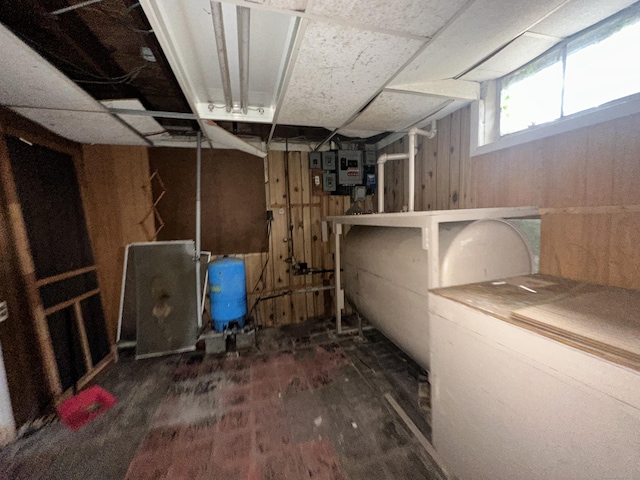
{"x": 531, "y": 98}
{"x": 590, "y": 69}
{"x": 604, "y": 71}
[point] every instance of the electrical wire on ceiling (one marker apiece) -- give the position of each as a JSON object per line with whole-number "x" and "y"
{"x": 126, "y": 78}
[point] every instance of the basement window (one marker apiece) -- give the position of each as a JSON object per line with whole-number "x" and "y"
{"x": 591, "y": 77}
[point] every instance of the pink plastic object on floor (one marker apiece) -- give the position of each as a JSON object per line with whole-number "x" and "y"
{"x": 85, "y": 406}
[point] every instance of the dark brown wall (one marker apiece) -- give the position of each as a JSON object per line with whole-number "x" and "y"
{"x": 116, "y": 201}
{"x": 233, "y": 198}
{"x": 27, "y": 386}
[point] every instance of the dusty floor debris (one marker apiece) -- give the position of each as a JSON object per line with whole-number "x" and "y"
{"x": 304, "y": 405}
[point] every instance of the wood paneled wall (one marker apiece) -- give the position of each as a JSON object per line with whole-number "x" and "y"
{"x": 233, "y": 200}
{"x": 116, "y": 201}
{"x": 295, "y": 232}
{"x": 443, "y": 173}
{"x": 587, "y": 183}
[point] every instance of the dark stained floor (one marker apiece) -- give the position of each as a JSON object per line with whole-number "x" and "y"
{"x": 302, "y": 405}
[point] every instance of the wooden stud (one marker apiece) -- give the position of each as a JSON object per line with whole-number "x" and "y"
{"x": 69, "y": 303}
{"x": 466, "y": 196}
{"x": 82, "y": 332}
{"x": 27, "y": 268}
{"x": 430, "y": 173}
{"x": 63, "y": 276}
{"x": 442, "y": 179}
{"x": 454, "y": 160}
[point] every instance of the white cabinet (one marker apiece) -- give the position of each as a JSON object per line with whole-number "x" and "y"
{"x": 509, "y": 403}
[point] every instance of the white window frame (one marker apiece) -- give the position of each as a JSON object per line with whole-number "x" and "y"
{"x": 485, "y": 116}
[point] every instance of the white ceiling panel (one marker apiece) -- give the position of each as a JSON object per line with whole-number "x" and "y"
{"x": 522, "y": 50}
{"x": 83, "y": 127}
{"x": 451, "y": 88}
{"x": 577, "y": 15}
{"x": 338, "y": 69}
{"x": 476, "y": 33}
{"x": 294, "y": 5}
{"x": 422, "y": 17}
{"x": 27, "y": 79}
{"x": 359, "y": 133}
{"x": 147, "y": 126}
{"x": 448, "y": 109}
{"x": 191, "y": 41}
{"x": 393, "y": 111}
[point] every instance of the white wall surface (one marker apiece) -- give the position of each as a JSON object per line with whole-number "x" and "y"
{"x": 511, "y": 404}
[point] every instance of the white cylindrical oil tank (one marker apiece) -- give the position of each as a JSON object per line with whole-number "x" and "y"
{"x": 386, "y": 272}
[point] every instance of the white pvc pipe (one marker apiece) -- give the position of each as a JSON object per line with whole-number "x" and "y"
{"x": 411, "y": 155}
{"x": 198, "y": 228}
{"x": 382, "y": 159}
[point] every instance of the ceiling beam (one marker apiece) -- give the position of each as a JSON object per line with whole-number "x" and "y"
{"x": 297, "y": 34}
{"x": 449, "y": 88}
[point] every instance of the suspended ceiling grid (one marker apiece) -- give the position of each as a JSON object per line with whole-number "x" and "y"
{"x": 357, "y": 68}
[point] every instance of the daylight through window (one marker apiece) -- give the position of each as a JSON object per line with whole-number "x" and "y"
{"x": 590, "y": 69}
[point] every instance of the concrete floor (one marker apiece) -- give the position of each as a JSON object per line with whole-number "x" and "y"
{"x": 302, "y": 405}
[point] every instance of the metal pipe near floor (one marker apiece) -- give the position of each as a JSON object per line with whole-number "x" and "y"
{"x": 198, "y": 227}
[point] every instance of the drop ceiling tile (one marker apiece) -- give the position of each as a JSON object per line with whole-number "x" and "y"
{"x": 393, "y": 111}
{"x": 578, "y": 15}
{"x": 448, "y": 109}
{"x": 480, "y": 75}
{"x": 83, "y": 127}
{"x": 522, "y": 50}
{"x": 479, "y": 31}
{"x": 293, "y": 5}
{"x": 28, "y": 80}
{"x": 143, "y": 124}
{"x": 359, "y": 133}
{"x": 338, "y": 69}
{"x": 424, "y": 17}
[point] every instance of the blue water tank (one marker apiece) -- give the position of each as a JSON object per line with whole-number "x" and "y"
{"x": 227, "y": 292}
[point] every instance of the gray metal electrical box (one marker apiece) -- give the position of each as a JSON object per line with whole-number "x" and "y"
{"x": 315, "y": 160}
{"x": 370, "y": 158}
{"x": 329, "y": 182}
{"x": 329, "y": 160}
{"x": 350, "y": 167}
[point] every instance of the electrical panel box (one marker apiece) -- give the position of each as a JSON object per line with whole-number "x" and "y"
{"x": 329, "y": 182}
{"x": 315, "y": 160}
{"x": 358, "y": 193}
{"x": 370, "y": 181}
{"x": 350, "y": 167}
{"x": 329, "y": 160}
{"x": 370, "y": 158}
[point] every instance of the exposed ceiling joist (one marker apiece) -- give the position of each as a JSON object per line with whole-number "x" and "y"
{"x": 357, "y": 68}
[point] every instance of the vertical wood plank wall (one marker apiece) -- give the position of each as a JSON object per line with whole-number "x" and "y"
{"x": 587, "y": 183}
{"x": 443, "y": 175}
{"x": 295, "y": 232}
{"x": 584, "y": 179}
{"x": 112, "y": 181}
